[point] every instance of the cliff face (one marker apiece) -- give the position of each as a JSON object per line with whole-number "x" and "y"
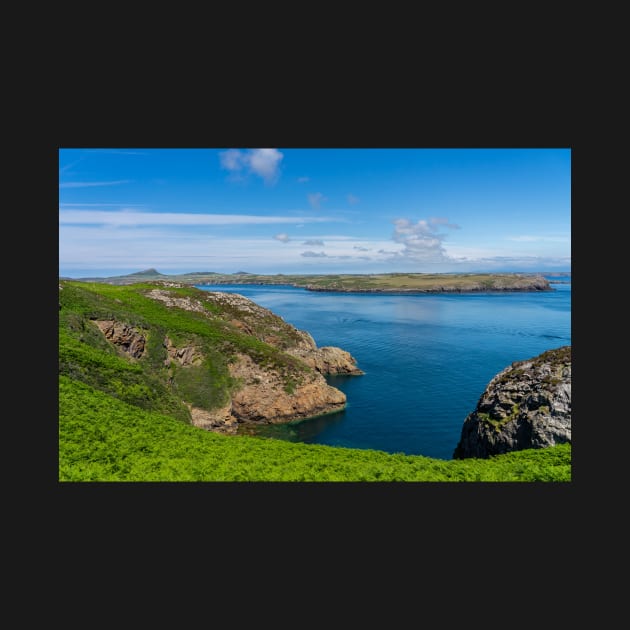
{"x": 527, "y": 405}
{"x": 265, "y": 398}
{"x": 272, "y": 372}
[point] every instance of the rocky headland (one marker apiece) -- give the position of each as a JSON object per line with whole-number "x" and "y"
{"x": 527, "y": 405}
{"x": 274, "y": 372}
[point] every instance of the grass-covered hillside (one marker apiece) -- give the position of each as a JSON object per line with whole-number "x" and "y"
{"x": 214, "y": 330}
{"x": 124, "y": 408}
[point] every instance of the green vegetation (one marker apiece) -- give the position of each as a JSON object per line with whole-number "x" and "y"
{"x": 124, "y": 419}
{"x": 498, "y": 423}
{"x": 85, "y": 354}
{"x": 397, "y": 282}
{"x": 105, "y": 439}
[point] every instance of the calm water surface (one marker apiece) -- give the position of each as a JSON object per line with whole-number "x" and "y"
{"x": 427, "y": 358}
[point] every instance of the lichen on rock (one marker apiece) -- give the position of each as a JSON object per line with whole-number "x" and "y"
{"x": 526, "y": 405}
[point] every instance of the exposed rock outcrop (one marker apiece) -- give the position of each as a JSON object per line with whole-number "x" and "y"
{"x": 527, "y": 405}
{"x": 218, "y": 420}
{"x": 327, "y": 359}
{"x": 264, "y": 396}
{"x": 188, "y": 355}
{"x": 128, "y": 339}
{"x": 171, "y": 300}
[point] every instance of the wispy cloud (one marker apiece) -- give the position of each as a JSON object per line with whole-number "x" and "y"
{"x": 314, "y": 242}
{"x": 63, "y": 169}
{"x": 232, "y": 160}
{"x": 85, "y": 205}
{"x": 134, "y": 218}
{"x": 115, "y": 182}
{"x": 539, "y": 239}
{"x": 119, "y": 151}
{"x": 316, "y": 199}
{"x": 352, "y": 199}
{"x": 303, "y": 180}
{"x": 310, "y": 254}
{"x": 283, "y": 237}
{"x": 262, "y": 162}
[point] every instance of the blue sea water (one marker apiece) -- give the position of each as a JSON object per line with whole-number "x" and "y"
{"x": 427, "y": 358}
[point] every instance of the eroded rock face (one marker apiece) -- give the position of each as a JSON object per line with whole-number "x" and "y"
{"x": 188, "y": 355}
{"x": 328, "y": 360}
{"x": 186, "y": 303}
{"x": 127, "y": 338}
{"x": 265, "y": 398}
{"x": 218, "y": 420}
{"x": 527, "y": 405}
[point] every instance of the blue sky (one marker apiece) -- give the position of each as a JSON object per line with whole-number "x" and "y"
{"x": 313, "y": 210}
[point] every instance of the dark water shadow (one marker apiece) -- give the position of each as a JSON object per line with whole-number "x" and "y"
{"x": 297, "y": 431}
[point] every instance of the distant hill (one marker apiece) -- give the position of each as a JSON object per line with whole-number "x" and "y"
{"x": 363, "y": 283}
{"x": 147, "y": 272}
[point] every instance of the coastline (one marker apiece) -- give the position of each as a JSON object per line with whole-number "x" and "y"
{"x": 405, "y": 283}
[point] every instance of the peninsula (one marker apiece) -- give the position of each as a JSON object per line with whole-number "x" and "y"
{"x": 353, "y": 283}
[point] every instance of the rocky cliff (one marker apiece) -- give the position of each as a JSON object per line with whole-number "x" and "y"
{"x": 527, "y": 405}
{"x": 265, "y": 370}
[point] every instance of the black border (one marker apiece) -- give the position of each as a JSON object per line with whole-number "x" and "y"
{"x": 395, "y": 512}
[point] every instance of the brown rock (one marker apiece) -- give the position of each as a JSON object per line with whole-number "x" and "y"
{"x": 188, "y": 355}
{"x": 127, "y": 338}
{"x": 219, "y": 420}
{"x": 327, "y": 360}
{"x": 265, "y": 397}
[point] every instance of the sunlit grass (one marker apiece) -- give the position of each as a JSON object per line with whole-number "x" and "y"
{"x": 105, "y": 439}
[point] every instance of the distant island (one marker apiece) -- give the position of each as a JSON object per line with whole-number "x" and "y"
{"x": 352, "y": 283}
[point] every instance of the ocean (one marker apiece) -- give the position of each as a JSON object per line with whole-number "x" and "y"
{"x": 427, "y": 358}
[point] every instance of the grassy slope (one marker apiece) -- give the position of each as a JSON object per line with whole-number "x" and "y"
{"x": 104, "y": 439}
{"x": 119, "y": 420}
{"x": 85, "y": 355}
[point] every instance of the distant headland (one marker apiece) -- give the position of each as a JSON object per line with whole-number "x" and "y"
{"x": 354, "y": 283}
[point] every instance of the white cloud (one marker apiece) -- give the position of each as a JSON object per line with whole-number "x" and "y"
{"x": 443, "y": 221}
{"x": 539, "y": 239}
{"x": 87, "y": 184}
{"x": 315, "y": 199}
{"x": 133, "y": 217}
{"x": 262, "y": 162}
{"x": 422, "y": 242}
{"x": 266, "y": 163}
{"x": 192, "y": 247}
{"x": 232, "y": 160}
{"x": 84, "y": 205}
{"x": 63, "y": 169}
{"x": 352, "y": 199}
{"x": 314, "y": 241}
{"x": 303, "y": 180}
{"x": 283, "y": 237}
